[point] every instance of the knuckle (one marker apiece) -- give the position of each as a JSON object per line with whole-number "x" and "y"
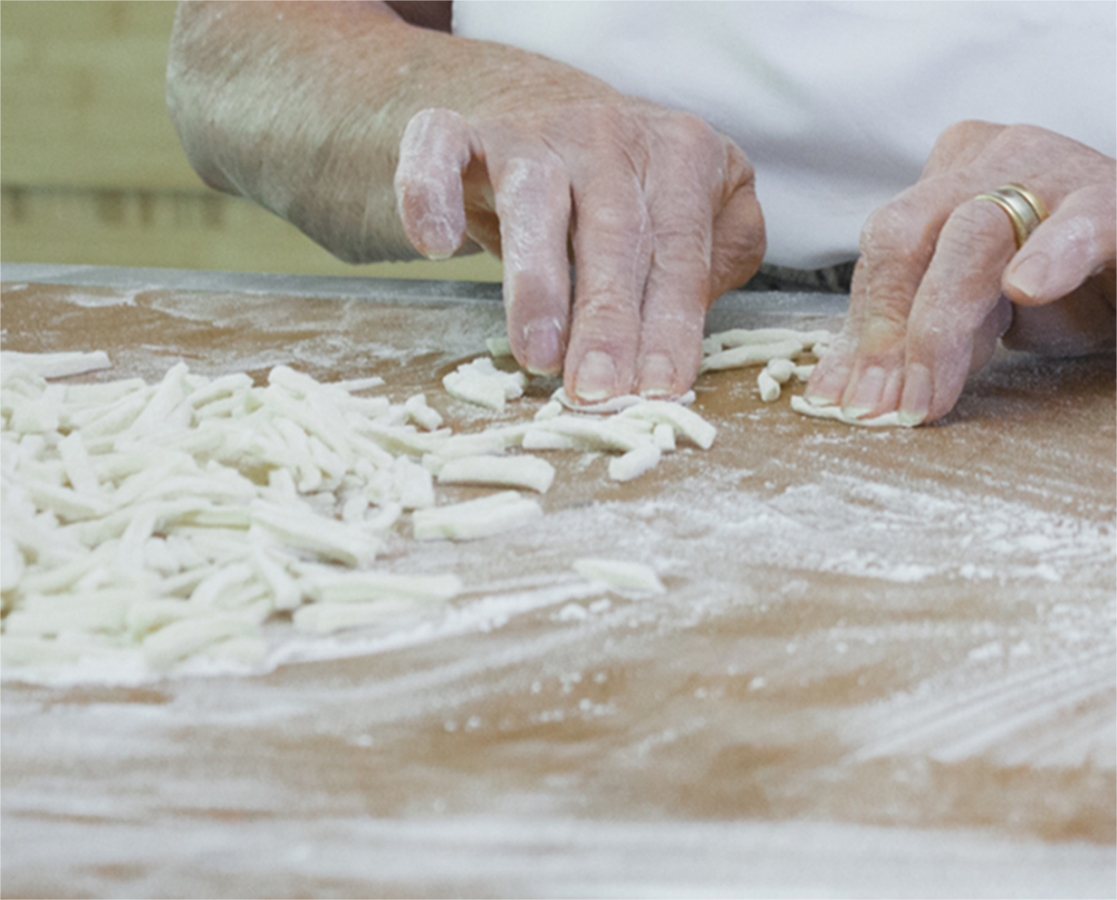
{"x": 897, "y": 231}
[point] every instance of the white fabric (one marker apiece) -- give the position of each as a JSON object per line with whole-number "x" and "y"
{"x": 836, "y": 104}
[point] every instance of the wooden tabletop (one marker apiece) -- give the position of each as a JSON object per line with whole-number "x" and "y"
{"x": 884, "y": 664}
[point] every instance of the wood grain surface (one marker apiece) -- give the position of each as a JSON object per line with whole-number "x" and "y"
{"x": 884, "y": 665}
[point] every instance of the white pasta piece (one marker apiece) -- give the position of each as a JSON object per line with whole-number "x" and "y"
{"x": 480, "y": 382}
{"x": 413, "y": 486}
{"x": 319, "y": 418}
{"x": 11, "y": 564}
{"x": 326, "y": 537}
{"x": 167, "y": 406}
{"x": 79, "y": 468}
{"x": 285, "y": 593}
{"x": 612, "y": 405}
{"x": 888, "y": 420}
{"x": 98, "y": 610}
{"x": 173, "y": 643}
{"x": 591, "y": 433}
{"x": 490, "y": 441}
{"x": 549, "y": 410}
{"x": 355, "y": 385}
{"x": 219, "y": 389}
{"x": 620, "y": 573}
{"x": 634, "y": 463}
{"x": 328, "y": 585}
{"x": 327, "y": 618}
{"x": 803, "y": 373}
{"x": 41, "y": 416}
{"x": 542, "y": 439}
{"x": 56, "y": 365}
{"x": 69, "y": 505}
{"x": 475, "y": 518}
{"x": 482, "y": 393}
{"x": 663, "y": 436}
{"x": 354, "y": 508}
{"x": 606, "y": 407}
{"x": 421, "y": 414}
{"x": 100, "y": 393}
{"x": 685, "y": 421}
{"x": 780, "y": 370}
{"x": 512, "y": 471}
{"x": 769, "y": 387}
{"x": 394, "y": 439}
{"x": 750, "y": 355}
{"x": 147, "y": 616}
{"x": 114, "y": 418}
{"x": 38, "y": 651}
{"x": 215, "y": 589}
{"x": 499, "y": 346}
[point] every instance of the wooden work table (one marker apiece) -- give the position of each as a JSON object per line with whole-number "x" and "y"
{"x": 884, "y": 664}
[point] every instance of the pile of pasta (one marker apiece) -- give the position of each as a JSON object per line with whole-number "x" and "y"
{"x": 174, "y": 519}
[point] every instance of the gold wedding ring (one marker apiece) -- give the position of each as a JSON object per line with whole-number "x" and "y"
{"x": 1024, "y": 209}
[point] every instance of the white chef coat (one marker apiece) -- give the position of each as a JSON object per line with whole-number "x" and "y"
{"x": 836, "y": 104}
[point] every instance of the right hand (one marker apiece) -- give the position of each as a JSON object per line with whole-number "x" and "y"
{"x": 656, "y": 210}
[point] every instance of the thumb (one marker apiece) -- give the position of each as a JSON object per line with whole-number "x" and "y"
{"x": 1077, "y": 241}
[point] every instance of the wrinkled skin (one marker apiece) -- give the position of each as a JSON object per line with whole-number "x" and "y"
{"x": 375, "y": 137}
{"x": 658, "y": 209}
{"x": 619, "y": 221}
{"x": 939, "y": 278}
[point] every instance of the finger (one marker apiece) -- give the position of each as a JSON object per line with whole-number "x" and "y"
{"x": 680, "y": 190}
{"x": 1082, "y": 322}
{"x": 1077, "y": 241}
{"x": 533, "y": 205}
{"x": 897, "y": 243}
{"x": 957, "y": 310}
{"x": 434, "y": 151}
{"x": 739, "y": 240}
{"x": 612, "y": 252}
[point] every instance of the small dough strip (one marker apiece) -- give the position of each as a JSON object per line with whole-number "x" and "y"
{"x": 834, "y": 413}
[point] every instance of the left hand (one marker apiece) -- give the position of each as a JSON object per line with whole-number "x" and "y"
{"x": 940, "y": 278}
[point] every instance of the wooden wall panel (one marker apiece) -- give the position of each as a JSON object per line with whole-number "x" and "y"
{"x": 91, "y": 170}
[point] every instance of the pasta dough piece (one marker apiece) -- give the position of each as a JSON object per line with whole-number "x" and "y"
{"x": 888, "y": 420}
{"x": 515, "y": 471}
{"x": 751, "y": 355}
{"x": 480, "y": 382}
{"x": 612, "y": 405}
{"x": 475, "y": 518}
{"x": 634, "y": 463}
{"x": 57, "y": 365}
{"x": 780, "y": 370}
{"x": 421, "y": 414}
{"x": 684, "y": 421}
{"x": 769, "y": 387}
{"x": 499, "y": 346}
{"x": 620, "y": 573}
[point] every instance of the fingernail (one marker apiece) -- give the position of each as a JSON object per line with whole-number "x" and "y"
{"x": 825, "y": 386}
{"x": 866, "y": 393}
{"x": 596, "y": 378}
{"x": 1029, "y": 276}
{"x": 916, "y": 399}
{"x": 439, "y": 241}
{"x": 542, "y": 347}
{"x": 657, "y": 376}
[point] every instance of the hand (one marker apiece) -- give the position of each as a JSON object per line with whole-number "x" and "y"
{"x": 657, "y": 210}
{"x": 940, "y": 279}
